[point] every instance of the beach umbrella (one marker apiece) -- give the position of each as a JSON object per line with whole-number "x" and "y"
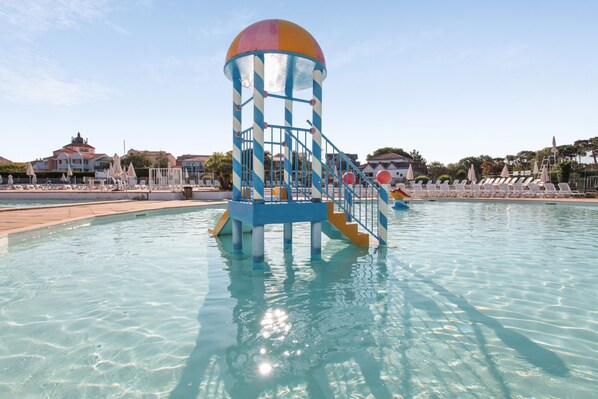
{"x": 10, "y": 181}
{"x": 409, "y": 173}
{"x": 554, "y": 150}
{"x": 131, "y": 171}
{"x": 544, "y": 178}
{"x": 118, "y": 169}
{"x": 471, "y": 174}
{"x": 69, "y": 171}
{"x": 34, "y": 179}
{"x": 186, "y": 174}
{"x": 63, "y": 178}
{"x": 505, "y": 171}
{"x": 536, "y": 168}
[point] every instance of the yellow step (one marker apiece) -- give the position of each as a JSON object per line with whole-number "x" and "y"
{"x": 349, "y": 229}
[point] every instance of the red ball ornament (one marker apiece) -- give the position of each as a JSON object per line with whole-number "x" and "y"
{"x": 383, "y": 177}
{"x": 349, "y": 178}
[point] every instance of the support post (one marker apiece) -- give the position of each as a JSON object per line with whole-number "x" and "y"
{"x": 237, "y": 236}
{"x": 288, "y": 122}
{"x": 383, "y": 214}
{"x": 349, "y": 199}
{"x": 258, "y": 129}
{"x": 257, "y": 247}
{"x": 316, "y": 240}
{"x": 316, "y": 161}
{"x": 237, "y": 140}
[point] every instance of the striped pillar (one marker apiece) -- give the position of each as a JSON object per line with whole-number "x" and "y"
{"x": 383, "y": 214}
{"x": 288, "y": 122}
{"x": 258, "y": 128}
{"x": 237, "y": 140}
{"x": 316, "y": 164}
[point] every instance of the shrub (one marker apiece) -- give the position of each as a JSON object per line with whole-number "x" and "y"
{"x": 565, "y": 170}
{"x": 444, "y": 177}
{"x": 423, "y": 178}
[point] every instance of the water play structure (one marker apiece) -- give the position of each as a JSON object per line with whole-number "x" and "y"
{"x": 284, "y": 173}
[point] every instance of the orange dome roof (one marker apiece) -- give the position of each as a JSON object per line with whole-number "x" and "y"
{"x": 278, "y": 36}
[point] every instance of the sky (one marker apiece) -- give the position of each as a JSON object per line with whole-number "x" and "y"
{"x": 449, "y": 78}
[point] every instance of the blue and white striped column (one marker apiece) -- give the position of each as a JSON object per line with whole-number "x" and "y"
{"x": 383, "y": 214}
{"x": 288, "y": 122}
{"x": 316, "y": 162}
{"x": 237, "y": 140}
{"x": 237, "y": 225}
{"x": 258, "y": 128}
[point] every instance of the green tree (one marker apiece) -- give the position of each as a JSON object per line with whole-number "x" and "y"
{"x": 436, "y": 169}
{"x": 593, "y": 147}
{"x": 161, "y": 160}
{"x": 386, "y": 150}
{"x": 582, "y": 148}
{"x": 13, "y": 167}
{"x": 417, "y": 157}
{"x": 524, "y": 159}
{"x": 138, "y": 159}
{"x": 221, "y": 164}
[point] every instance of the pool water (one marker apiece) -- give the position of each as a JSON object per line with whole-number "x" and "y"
{"x": 477, "y": 300}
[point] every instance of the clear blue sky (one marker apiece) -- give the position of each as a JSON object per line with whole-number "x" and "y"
{"x": 448, "y": 78}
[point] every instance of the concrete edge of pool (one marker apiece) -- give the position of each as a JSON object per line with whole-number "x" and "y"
{"x": 24, "y": 220}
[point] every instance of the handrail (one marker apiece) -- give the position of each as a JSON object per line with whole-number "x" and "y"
{"x": 358, "y": 201}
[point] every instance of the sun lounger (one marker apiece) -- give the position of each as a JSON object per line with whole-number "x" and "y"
{"x": 535, "y": 190}
{"x": 566, "y": 191}
{"x": 550, "y": 190}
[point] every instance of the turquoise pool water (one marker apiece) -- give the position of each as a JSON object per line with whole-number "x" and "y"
{"x": 478, "y": 300}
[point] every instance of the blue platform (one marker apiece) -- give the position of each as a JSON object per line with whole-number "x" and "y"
{"x": 277, "y": 212}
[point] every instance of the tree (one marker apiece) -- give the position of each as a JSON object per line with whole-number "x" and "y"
{"x": 524, "y": 159}
{"x": 436, "y": 169}
{"x": 13, "y": 167}
{"x": 417, "y": 157}
{"x": 138, "y": 159}
{"x": 386, "y": 150}
{"x": 593, "y": 146}
{"x": 221, "y": 164}
{"x": 161, "y": 160}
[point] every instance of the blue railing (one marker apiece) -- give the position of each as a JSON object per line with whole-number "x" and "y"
{"x": 359, "y": 201}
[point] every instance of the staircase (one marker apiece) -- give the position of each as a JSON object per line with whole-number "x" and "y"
{"x": 348, "y": 229}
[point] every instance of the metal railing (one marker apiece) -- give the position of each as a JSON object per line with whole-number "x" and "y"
{"x": 357, "y": 200}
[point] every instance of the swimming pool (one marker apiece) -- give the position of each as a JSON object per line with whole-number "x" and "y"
{"x": 480, "y": 300}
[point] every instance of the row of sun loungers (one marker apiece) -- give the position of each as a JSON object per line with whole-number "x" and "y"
{"x": 492, "y": 188}
{"x": 102, "y": 186}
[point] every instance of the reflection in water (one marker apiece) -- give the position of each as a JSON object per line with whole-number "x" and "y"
{"x": 312, "y": 326}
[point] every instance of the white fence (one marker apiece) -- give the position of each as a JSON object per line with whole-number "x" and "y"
{"x": 166, "y": 179}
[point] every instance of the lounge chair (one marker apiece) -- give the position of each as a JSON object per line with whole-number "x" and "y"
{"x": 504, "y": 190}
{"x": 535, "y": 190}
{"x": 550, "y": 190}
{"x": 418, "y": 190}
{"x": 565, "y": 191}
{"x": 445, "y": 191}
{"x": 432, "y": 190}
{"x": 488, "y": 190}
{"x": 476, "y": 192}
{"x": 527, "y": 181}
{"x": 518, "y": 190}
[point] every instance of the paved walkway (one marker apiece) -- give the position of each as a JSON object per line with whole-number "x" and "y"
{"x": 18, "y": 220}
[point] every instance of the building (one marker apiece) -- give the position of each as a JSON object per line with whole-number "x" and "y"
{"x": 195, "y": 165}
{"x": 336, "y": 161}
{"x": 2, "y": 159}
{"x": 78, "y": 154}
{"x": 154, "y": 156}
{"x": 396, "y": 164}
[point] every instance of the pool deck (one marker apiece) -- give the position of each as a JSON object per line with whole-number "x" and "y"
{"x": 20, "y": 220}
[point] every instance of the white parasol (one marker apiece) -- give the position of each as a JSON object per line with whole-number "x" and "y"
{"x": 554, "y": 149}
{"x": 544, "y": 178}
{"x": 10, "y": 181}
{"x": 505, "y": 171}
{"x": 118, "y": 169}
{"x": 409, "y": 173}
{"x": 30, "y": 172}
{"x": 471, "y": 174}
{"x": 131, "y": 171}
{"x": 536, "y": 168}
